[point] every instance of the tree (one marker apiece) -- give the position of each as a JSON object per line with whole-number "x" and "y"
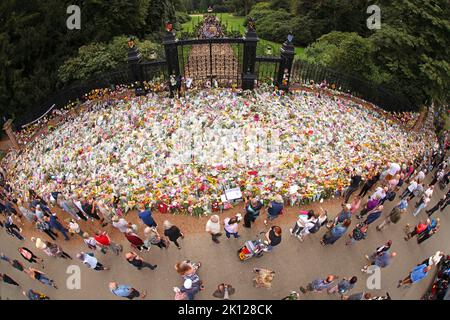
{"x": 413, "y": 46}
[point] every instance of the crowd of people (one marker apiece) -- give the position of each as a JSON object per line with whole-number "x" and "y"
{"x": 154, "y": 153}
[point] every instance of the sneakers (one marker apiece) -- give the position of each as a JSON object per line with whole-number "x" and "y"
{"x": 265, "y": 222}
{"x": 367, "y": 257}
{"x": 290, "y": 230}
{"x": 300, "y": 238}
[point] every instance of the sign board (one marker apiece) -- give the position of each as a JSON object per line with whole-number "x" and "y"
{"x": 233, "y": 194}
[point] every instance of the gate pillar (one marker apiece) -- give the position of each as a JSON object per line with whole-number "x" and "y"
{"x": 250, "y": 43}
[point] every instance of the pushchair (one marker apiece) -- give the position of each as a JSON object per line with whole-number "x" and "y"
{"x": 252, "y": 248}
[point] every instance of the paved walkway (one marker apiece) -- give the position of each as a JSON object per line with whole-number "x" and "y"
{"x": 295, "y": 263}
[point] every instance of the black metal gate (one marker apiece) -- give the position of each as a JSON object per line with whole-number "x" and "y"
{"x": 207, "y": 61}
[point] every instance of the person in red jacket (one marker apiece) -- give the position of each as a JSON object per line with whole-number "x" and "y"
{"x": 105, "y": 242}
{"x": 135, "y": 241}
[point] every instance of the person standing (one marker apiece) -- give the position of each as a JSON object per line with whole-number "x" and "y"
{"x": 417, "y": 274}
{"x": 213, "y": 228}
{"x": 252, "y": 211}
{"x": 146, "y": 217}
{"x": 28, "y": 255}
{"x": 34, "y": 295}
{"x": 368, "y": 185}
{"x": 275, "y": 208}
{"x": 55, "y": 224}
{"x": 371, "y": 205}
{"x": 121, "y": 224}
{"x": 273, "y": 237}
{"x": 125, "y": 291}
{"x": 91, "y": 261}
{"x": 172, "y": 232}
{"x": 354, "y": 184}
{"x": 138, "y": 262}
{"x": 12, "y": 228}
{"x": 231, "y": 226}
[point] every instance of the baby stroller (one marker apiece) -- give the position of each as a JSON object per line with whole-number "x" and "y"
{"x": 252, "y": 248}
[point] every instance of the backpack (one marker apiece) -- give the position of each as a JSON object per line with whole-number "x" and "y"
{"x": 391, "y": 195}
{"x": 316, "y": 227}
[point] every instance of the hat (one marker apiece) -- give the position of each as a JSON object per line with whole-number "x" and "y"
{"x": 187, "y": 283}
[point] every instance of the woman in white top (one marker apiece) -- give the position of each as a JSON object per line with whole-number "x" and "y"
{"x": 213, "y": 228}
{"x": 91, "y": 261}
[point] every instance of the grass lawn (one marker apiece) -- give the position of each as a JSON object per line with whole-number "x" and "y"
{"x": 237, "y": 23}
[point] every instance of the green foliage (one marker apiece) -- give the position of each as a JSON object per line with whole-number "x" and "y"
{"x": 100, "y": 57}
{"x": 35, "y": 43}
{"x": 273, "y": 25}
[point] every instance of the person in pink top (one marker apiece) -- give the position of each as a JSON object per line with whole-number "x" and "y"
{"x": 356, "y": 203}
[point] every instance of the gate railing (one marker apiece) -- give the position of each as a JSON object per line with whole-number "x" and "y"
{"x": 304, "y": 72}
{"x": 122, "y": 75}
{"x": 266, "y": 69}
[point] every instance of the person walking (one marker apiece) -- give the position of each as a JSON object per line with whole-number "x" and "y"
{"x": 125, "y": 291}
{"x": 121, "y": 224}
{"x": 416, "y": 275}
{"x": 381, "y": 260}
{"x": 213, "y": 228}
{"x": 335, "y": 233}
{"x": 28, "y": 255}
{"x": 103, "y": 241}
{"x": 422, "y": 204}
{"x": 409, "y": 190}
{"x": 54, "y": 250}
{"x": 138, "y": 262}
{"x": 172, "y": 232}
{"x": 344, "y": 286}
{"x": 44, "y": 226}
{"x": 55, "y": 224}
{"x": 7, "y": 279}
{"x": 34, "y": 295}
{"x": 374, "y": 215}
{"x": 370, "y": 206}
{"x": 252, "y": 211}
{"x": 372, "y": 180}
{"x": 305, "y": 220}
{"x": 318, "y": 285}
{"x": 12, "y": 229}
{"x": 91, "y": 261}
{"x": 231, "y": 226}
{"x": 190, "y": 289}
{"x": 74, "y": 228}
{"x": 431, "y": 229}
{"x": 40, "y": 276}
{"x": 359, "y": 233}
{"x": 153, "y": 238}
{"x": 134, "y": 240}
{"x": 440, "y": 203}
{"x": 395, "y": 215}
{"x": 146, "y": 217}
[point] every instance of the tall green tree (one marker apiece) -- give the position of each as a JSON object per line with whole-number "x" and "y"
{"x": 413, "y": 45}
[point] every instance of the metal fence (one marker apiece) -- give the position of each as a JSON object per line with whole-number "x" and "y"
{"x": 122, "y": 75}
{"x": 304, "y": 72}
{"x": 266, "y": 69}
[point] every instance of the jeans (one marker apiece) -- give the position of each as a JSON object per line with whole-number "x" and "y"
{"x": 228, "y": 234}
{"x": 419, "y": 208}
{"x": 349, "y": 192}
